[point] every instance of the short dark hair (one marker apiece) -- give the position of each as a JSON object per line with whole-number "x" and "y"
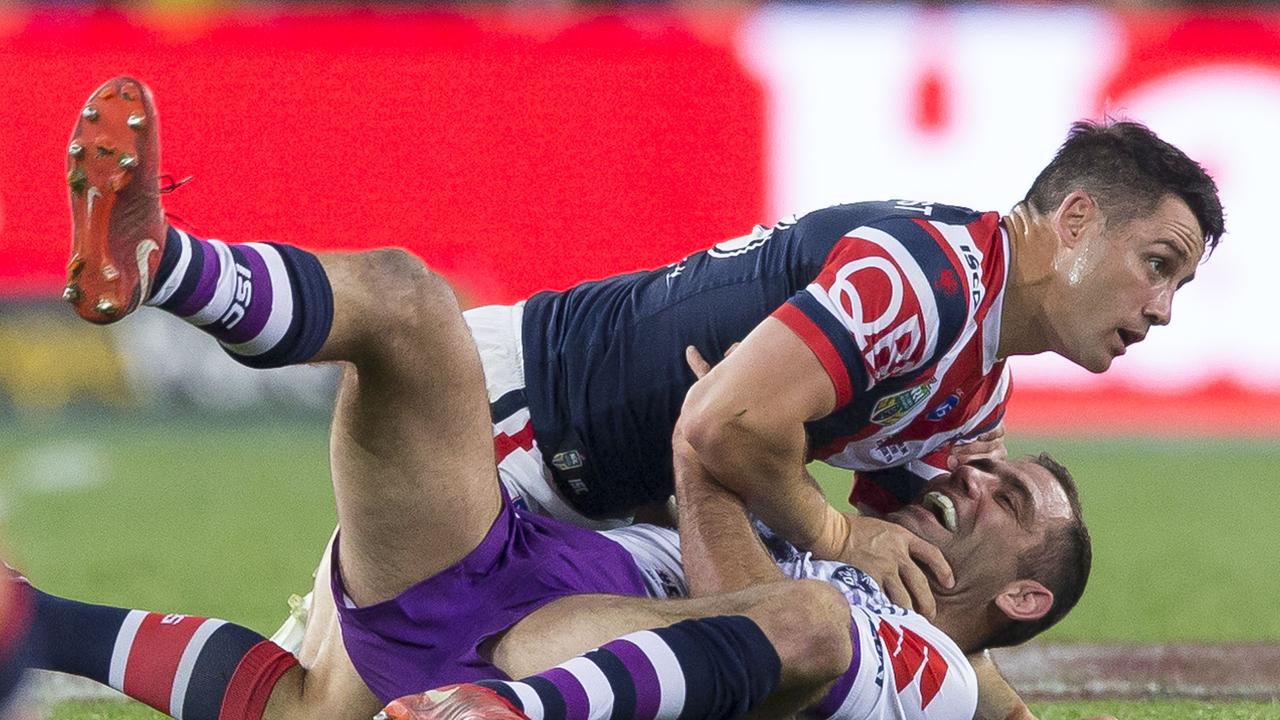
{"x": 1127, "y": 170}
{"x": 1061, "y": 563}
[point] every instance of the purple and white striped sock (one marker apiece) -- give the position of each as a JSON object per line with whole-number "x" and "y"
{"x": 707, "y": 668}
{"x": 268, "y": 304}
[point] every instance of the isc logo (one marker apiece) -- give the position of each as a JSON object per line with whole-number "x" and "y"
{"x": 240, "y": 299}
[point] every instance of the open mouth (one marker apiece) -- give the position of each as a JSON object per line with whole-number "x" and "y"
{"x": 942, "y": 508}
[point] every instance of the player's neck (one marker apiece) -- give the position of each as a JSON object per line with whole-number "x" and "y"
{"x": 962, "y": 624}
{"x": 1022, "y": 321}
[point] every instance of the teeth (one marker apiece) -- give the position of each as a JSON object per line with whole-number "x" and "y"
{"x": 945, "y": 509}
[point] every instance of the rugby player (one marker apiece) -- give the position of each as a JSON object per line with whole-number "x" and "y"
{"x": 592, "y": 380}
{"x": 460, "y": 585}
{"x": 878, "y": 337}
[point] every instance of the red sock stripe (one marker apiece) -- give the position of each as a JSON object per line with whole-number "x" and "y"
{"x": 15, "y": 610}
{"x": 154, "y": 656}
{"x": 254, "y": 679}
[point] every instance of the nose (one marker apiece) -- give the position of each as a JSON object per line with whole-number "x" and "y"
{"x": 976, "y": 481}
{"x": 1160, "y": 310}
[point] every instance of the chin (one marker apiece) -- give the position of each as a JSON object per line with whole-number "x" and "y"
{"x": 1096, "y": 364}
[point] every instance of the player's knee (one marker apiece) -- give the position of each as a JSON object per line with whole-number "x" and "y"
{"x": 815, "y": 643}
{"x": 413, "y": 294}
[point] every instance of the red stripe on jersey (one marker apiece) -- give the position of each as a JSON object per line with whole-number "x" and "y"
{"x": 504, "y": 444}
{"x": 153, "y": 658}
{"x": 813, "y": 337}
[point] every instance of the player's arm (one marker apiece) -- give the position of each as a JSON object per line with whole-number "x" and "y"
{"x": 997, "y": 700}
{"x": 744, "y": 424}
{"x": 719, "y": 548}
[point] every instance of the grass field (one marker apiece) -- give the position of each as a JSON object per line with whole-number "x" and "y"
{"x": 227, "y": 518}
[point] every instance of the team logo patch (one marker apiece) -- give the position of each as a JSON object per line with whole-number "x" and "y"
{"x": 947, "y": 406}
{"x": 947, "y": 282}
{"x": 893, "y": 408}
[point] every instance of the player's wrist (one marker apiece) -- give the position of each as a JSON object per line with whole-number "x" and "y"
{"x": 832, "y": 535}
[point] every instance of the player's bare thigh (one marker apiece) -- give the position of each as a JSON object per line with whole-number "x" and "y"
{"x": 411, "y": 412}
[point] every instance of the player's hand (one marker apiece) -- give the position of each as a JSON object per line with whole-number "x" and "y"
{"x": 987, "y": 446}
{"x": 896, "y": 559}
{"x": 699, "y": 364}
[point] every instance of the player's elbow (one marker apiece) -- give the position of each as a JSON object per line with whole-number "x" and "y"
{"x": 817, "y": 645}
{"x": 708, "y": 432}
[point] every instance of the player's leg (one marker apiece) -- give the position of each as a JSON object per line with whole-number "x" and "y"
{"x": 195, "y": 668}
{"x": 184, "y": 666}
{"x": 412, "y": 453}
{"x": 771, "y": 650}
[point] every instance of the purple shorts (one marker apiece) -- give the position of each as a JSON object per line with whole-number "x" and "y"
{"x": 430, "y": 634}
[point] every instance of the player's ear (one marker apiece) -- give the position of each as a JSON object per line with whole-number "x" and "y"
{"x": 1024, "y": 600}
{"x": 1075, "y": 214}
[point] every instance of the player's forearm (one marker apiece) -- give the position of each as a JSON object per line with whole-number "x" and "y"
{"x": 762, "y": 462}
{"x": 720, "y": 550}
{"x": 997, "y": 700}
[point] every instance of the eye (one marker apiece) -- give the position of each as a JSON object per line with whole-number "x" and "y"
{"x": 1157, "y": 265}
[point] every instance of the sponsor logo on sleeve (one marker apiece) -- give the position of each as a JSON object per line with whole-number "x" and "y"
{"x": 944, "y": 407}
{"x": 892, "y": 408}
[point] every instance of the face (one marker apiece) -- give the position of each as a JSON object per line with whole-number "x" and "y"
{"x": 1114, "y": 283}
{"x": 1002, "y": 510}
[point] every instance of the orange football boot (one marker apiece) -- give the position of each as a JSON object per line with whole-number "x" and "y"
{"x": 452, "y": 702}
{"x": 118, "y": 224}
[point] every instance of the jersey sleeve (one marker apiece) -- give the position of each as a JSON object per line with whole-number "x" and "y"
{"x": 903, "y": 667}
{"x": 886, "y": 299}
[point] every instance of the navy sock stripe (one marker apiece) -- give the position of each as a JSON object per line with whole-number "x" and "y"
{"x": 168, "y": 259}
{"x": 620, "y": 682}
{"x": 728, "y": 663}
{"x": 195, "y": 267}
{"x": 504, "y": 690}
{"x": 217, "y": 662}
{"x": 553, "y": 707}
{"x": 77, "y": 638}
{"x": 312, "y": 316}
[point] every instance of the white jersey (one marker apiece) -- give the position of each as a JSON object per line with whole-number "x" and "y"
{"x": 903, "y": 667}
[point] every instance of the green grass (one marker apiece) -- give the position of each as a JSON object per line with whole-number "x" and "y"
{"x": 228, "y": 518}
{"x": 207, "y": 518}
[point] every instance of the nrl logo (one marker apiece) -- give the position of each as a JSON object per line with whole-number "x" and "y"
{"x": 893, "y": 408}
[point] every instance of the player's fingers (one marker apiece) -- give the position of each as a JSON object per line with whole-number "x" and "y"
{"x": 896, "y": 592}
{"x": 918, "y": 585}
{"x": 927, "y": 554}
{"x": 697, "y": 363}
{"x": 732, "y": 347}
